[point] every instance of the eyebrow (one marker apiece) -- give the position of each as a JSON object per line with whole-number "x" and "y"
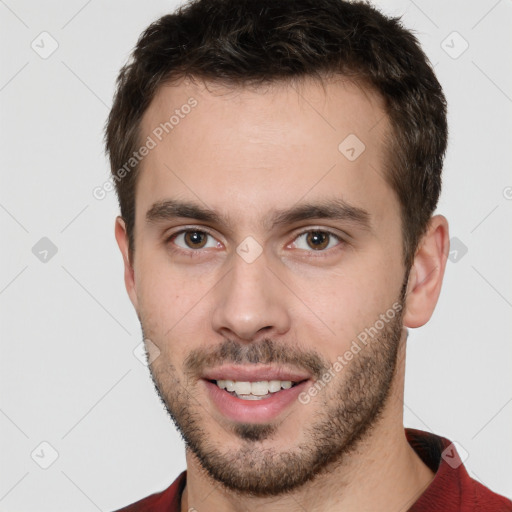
{"x": 335, "y": 209}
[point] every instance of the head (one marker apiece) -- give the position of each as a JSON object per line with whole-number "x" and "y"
{"x": 278, "y": 217}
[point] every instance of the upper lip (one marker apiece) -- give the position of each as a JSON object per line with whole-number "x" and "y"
{"x": 255, "y": 373}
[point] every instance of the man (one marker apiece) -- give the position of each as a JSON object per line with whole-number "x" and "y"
{"x": 278, "y": 164}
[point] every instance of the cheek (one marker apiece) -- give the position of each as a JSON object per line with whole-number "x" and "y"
{"x": 172, "y": 302}
{"x": 157, "y": 281}
{"x": 344, "y": 303}
{"x": 346, "y": 310}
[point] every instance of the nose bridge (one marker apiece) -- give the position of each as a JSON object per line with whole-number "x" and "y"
{"x": 249, "y": 300}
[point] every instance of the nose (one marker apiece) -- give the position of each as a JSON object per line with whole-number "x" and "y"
{"x": 250, "y": 302}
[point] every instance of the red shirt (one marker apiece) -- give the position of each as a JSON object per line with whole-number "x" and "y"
{"x": 451, "y": 490}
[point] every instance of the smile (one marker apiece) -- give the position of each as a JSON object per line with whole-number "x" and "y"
{"x": 255, "y": 393}
{"x": 259, "y": 390}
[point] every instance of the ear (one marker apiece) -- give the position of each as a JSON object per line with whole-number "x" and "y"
{"x": 427, "y": 271}
{"x": 129, "y": 273}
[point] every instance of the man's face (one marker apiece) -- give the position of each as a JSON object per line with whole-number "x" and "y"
{"x": 262, "y": 299}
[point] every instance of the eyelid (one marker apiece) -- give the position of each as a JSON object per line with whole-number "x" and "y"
{"x": 321, "y": 229}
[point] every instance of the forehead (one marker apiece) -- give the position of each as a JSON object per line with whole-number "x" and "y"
{"x": 247, "y": 151}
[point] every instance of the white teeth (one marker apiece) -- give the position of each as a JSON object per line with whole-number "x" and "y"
{"x": 274, "y": 385}
{"x": 253, "y": 390}
{"x": 242, "y": 388}
{"x": 228, "y": 385}
{"x": 259, "y": 388}
{"x": 252, "y": 397}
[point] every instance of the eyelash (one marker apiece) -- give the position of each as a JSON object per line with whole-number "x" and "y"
{"x": 197, "y": 252}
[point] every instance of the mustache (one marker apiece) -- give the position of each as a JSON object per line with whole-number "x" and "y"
{"x": 263, "y": 352}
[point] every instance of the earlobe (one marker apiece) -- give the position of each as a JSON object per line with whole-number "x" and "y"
{"x": 129, "y": 273}
{"x": 426, "y": 275}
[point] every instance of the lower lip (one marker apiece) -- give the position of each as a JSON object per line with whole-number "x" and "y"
{"x": 253, "y": 411}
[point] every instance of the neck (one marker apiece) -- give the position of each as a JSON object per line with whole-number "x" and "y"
{"x": 382, "y": 472}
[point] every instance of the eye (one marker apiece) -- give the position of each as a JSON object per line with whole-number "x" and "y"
{"x": 317, "y": 240}
{"x": 194, "y": 239}
{"x": 312, "y": 241}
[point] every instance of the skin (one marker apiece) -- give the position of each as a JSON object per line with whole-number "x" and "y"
{"x": 245, "y": 153}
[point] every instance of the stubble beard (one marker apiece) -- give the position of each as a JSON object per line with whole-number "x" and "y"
{"x": 345, "y": 412}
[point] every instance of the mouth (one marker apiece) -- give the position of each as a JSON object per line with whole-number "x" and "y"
{"x": 259, "y": 390}
{"x": 253, "y": 394}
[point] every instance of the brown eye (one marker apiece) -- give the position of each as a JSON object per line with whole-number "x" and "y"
{"x": 317, "y": 240}
{"x": 195, "y": 239}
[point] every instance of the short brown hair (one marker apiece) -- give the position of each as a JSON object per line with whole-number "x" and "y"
{"x": 242, "y": 42}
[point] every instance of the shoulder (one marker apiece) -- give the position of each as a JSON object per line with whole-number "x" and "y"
{"x": 452, "y": 489}
{"x": 167, "y": 500}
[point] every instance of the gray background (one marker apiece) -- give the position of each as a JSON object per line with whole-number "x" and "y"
{"x": 69, "y": 376}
